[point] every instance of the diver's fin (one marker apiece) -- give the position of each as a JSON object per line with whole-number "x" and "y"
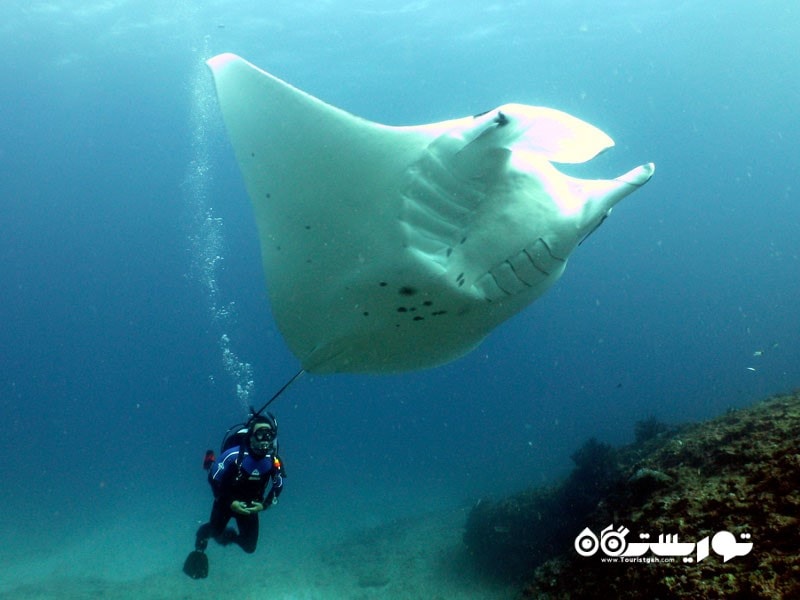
{"x": 196, "y": 565}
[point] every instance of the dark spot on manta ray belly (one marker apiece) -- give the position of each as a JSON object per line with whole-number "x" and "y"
{"x": 407, "y": 290}
{"x": 383, "y": 284}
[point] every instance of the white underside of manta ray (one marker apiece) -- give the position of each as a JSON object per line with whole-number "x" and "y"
{"x": 389, "y": 249}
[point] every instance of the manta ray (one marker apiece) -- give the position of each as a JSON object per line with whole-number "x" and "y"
{"x": 389, "y": 249}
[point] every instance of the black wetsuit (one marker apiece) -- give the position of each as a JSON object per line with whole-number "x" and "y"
{"x": 244, "y": 479}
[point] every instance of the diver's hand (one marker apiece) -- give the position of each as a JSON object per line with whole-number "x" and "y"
{"x": 240, "y": 507}
{"x": 256, "y": 507}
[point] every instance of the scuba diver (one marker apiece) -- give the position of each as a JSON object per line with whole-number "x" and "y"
{"x": 247, "y": 467}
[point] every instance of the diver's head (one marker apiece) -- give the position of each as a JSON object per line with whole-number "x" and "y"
{"x": 263, "y": 431}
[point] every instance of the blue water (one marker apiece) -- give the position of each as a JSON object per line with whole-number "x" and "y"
{"x": 119, "y": 191}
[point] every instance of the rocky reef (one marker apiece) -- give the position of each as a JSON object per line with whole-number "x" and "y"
{"x": 704, "y": 510}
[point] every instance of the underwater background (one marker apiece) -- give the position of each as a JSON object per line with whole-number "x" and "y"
{"x": 135, "y": 321}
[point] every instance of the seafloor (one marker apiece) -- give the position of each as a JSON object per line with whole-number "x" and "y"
{"x": 408, "y": 559}
{"x": 739, "y": 473}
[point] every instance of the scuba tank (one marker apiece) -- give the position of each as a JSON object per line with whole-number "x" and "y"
{"x": 236, "y": 435}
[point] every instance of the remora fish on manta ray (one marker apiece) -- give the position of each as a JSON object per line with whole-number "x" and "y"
{"x": 389, "y": 249}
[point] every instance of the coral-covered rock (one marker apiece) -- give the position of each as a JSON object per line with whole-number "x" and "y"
{"x": 739, "y": 473}
{"x": 511, "y": 537}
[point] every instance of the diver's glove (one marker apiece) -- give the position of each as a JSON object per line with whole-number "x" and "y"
{"x": 246, "y": 508}
{"x": 240, "y": 508}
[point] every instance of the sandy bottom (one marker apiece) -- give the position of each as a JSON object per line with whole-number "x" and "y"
{"x": 416, "y": 556}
